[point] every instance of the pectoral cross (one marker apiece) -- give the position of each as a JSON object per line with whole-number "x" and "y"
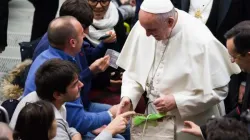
{"x": 198, "y": 14}
{"x": 151, "y": 85}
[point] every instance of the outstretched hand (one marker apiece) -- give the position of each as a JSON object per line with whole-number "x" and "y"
{"x": 191, "y": 128}
{"x": 118, "y": 125}
{"x": 124, "y": 106}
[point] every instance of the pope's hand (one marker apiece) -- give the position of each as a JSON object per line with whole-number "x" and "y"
{"x": 124, "y": 106}
{"x": 191, "y": 128}
{"x": 165, "y": 103}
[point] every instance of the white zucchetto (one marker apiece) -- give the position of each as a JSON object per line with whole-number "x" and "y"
{"x": 157, "y": 6}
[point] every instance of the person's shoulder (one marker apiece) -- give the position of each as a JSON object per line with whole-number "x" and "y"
{"x": 74, "y": 104}
{"x": 194, "y": 28}
{"x": 137, "y": 31}
{"x": 44, "y": 56}
{"x": 31, "y": 97}
{"x": 37, "y": 62}
{"x": 197, "y": 33}
{"x": 138, "y": 27}
{"x": 44, "y": 42}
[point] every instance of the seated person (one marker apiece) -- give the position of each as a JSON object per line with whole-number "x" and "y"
{"x": 219, "y": 129}
{"x": 98, "y": 86}
{"x": 84, "y": 14}
{"x": 89, "y": 54}
{"x": 36, "y": 121}
{"x": 51, "y": 88}
{"x": 66, "y": 37}
{"x": 106, "y": 18}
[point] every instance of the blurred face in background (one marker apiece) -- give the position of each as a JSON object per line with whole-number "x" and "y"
{"x": 242, "y": 60}
{"x": 99, "y": 7}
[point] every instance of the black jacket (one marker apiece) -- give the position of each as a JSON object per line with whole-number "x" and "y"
{"x": 224, "y": 14}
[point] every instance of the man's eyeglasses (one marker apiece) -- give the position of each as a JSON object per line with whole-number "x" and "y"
{"x": 233, "y": 58}
{"x": 103, "y": 3}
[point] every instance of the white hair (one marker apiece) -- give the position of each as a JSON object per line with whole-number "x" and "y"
{"x": 164, "y": 16}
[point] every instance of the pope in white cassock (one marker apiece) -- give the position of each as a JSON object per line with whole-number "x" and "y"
{"x": 179, "y": 63}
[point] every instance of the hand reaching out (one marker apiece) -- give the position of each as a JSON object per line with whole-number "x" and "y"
{"x": 191, "y": 128}
{"x": 100, "y": 65}
{"x": 118, "y": 125}
{"x": 124, "y": 106}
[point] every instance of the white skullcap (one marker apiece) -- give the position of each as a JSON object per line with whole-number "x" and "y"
{"x": 157, "y": 6}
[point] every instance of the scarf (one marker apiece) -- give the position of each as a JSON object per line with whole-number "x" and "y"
{"x": 100, "y": 27}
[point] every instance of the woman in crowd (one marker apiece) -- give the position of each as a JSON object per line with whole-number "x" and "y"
{"x": 106, "y": 18}
{"x": 36, "y": 121}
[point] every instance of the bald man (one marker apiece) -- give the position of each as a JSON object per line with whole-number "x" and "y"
{"x": 66, "y": 35}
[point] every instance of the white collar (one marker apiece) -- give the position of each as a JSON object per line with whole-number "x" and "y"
{"x": 177, "y": 27}
{"x": 60, "y": 114}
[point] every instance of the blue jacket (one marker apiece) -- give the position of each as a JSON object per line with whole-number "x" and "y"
{"x": 76, "y": 115}
{"x": 87, "y": 56}
{"x": 85, "y": 121}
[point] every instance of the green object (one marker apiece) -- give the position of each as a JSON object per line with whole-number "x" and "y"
{"x": 138, "y": 120}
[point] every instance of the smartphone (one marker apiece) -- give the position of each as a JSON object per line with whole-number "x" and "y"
{"x": 104, "y": 37}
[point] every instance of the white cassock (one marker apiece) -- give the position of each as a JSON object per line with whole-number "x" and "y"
{"x": 195, "y": 68}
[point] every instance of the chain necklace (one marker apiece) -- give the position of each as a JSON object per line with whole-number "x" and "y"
{"x": 198, "y": 12}
{"x": 151, "y": 84}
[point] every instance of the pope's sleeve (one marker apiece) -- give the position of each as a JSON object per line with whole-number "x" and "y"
{"x": 211, "y": 71}
{"x": 131, "y": 89}
{"x": 191, "y": 103}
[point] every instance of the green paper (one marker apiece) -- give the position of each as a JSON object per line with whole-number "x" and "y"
{"x": 137, "y": 120}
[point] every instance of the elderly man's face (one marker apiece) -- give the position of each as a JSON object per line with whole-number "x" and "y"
{"x": 154, "y": 26}
{"x": 242, "y": 61}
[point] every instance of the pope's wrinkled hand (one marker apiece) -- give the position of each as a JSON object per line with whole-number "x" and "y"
{"x": 165, "y": 103}
{"x": 124, "y": 106}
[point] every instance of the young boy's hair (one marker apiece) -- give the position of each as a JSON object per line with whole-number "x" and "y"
{"x": 226, "y": 129}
